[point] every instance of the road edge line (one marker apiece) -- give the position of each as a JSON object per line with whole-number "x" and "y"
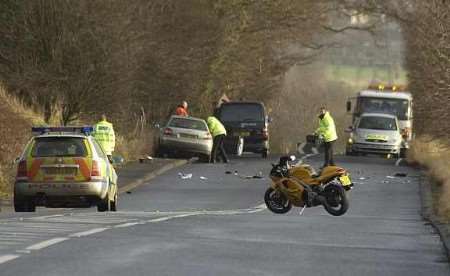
{"x": 45, "y": 244}
{"x": 427, "y": 214}
{"x": 8, "y": 257}
{"x": 150, "y": 176}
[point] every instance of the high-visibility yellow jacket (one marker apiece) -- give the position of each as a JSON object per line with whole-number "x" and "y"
{"x": 104, "y": 134}
{"x": 327, "y": 128}
{"x": 215, "y": 126}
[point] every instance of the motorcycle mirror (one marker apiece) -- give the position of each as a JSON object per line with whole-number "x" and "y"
{"x": 292, "y": 157}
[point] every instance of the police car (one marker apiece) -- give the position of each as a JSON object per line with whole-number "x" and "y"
{"x": 375, "y": 133}
{"x": 64, "y": 167}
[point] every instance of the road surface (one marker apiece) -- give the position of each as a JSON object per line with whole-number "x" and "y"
{"x": 218, "y": 225}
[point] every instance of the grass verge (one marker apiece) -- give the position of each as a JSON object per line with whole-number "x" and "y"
{"x": 15, "y": 122}
{"x": 434, "y": 155}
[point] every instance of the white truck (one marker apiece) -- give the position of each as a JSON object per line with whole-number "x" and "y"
{"x": 385, "y": 100}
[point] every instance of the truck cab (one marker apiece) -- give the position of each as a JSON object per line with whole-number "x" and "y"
{"x": 385, "y": 100}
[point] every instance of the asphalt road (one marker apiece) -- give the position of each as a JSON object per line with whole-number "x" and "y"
{"x": 217, "y": 226}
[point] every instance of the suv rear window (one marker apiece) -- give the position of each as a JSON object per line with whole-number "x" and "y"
{"x": 188, "y": 123}
{"x": 241, "y": 112}
{"x": 59, "y": 147}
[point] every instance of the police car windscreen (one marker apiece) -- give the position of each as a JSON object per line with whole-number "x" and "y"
{"x": 377, "y": 123}
{"x": 59, "y": 147}
{"x": 241, "y": 113}
{"x": 188, "y": 123}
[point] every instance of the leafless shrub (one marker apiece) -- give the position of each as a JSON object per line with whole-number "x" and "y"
{"x": 434, "y": 155}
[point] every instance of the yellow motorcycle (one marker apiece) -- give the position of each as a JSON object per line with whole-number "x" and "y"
{"x": 300, "y": 186}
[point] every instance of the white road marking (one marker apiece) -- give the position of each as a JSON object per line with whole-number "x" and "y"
{"x": 46, "y": 243}
{"x": 7, "y": 258}
{"x": 187, "y": 215}
{"x": 46, "y": 217}
{"x": 300, "y": 148}
{"x": 261, "y": 206}
{"x": 307, "y": 156}
{"x": 24, "y": 251}
{"x": 46, "y": 225}
{"x": 159, "y": 219}
{"x": 258, "y": 208}
{"x": 88, "y": 232}
{"x": 129, "y": 224}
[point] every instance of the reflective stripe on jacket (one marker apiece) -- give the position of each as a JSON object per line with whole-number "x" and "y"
{"x": 215, "y": 126}
{"x": 327, "y": 128}
{"x": 104, "y": 135}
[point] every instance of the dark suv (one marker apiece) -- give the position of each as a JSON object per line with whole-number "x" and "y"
{"x": 245, "y": 122}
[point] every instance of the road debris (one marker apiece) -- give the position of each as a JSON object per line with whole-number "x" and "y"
{"x": 400, "y": 175}
{"x": 146, "y": 159}
{"x": 185, "y": 176}
{"x": 259, "y": 175}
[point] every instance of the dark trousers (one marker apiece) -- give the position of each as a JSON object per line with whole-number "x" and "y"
{"x": 328, "y": 147}
{"x": 218, "y": 149}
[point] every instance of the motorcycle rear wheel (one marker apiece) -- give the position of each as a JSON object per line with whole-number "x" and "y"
{"x": 336, "y": 200}
{"x": 277, "y": 202}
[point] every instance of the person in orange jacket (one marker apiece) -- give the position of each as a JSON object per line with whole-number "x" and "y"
{"x": 182, "y": 109}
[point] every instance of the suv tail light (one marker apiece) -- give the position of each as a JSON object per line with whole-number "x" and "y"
{"x": 95, "y": 169}
{"x": 265, "y": 133}
{"x": 168, "y": 131}
{"x": 22, "y": 170}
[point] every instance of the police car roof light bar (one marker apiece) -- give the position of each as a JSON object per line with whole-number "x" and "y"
{"x": 86, "y": 130}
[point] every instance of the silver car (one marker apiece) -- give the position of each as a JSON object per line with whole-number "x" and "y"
{"x": 186, "y": 135}
{"x": 375, "y": 133}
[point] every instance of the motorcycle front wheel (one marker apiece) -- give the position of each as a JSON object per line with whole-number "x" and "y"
{"x": 336, "y": 200}
{"x": 277, "y": 202}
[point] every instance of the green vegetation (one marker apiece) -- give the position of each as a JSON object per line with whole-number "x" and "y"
{"x": 361, "y": 76}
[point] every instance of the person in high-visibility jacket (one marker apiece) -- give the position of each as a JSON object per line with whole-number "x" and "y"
{"x": 105, "y": 136}
{"x": 218, "y": 133}
{"x": 327, "y": 130}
